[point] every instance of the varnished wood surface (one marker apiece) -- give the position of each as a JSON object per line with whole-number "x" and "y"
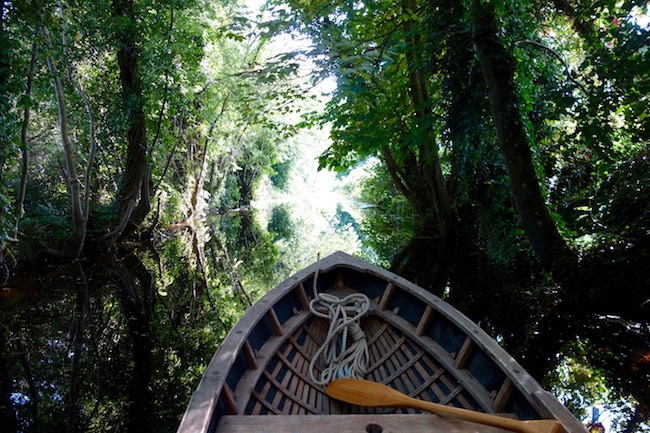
{"x": 391, "y": 423}
{"x": 404, "y": 354}
{"x": 373, "y": 394}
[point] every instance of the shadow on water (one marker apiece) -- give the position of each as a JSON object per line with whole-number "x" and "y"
{"x": 111, "y": 343}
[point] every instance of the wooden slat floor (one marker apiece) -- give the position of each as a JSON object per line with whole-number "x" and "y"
{"x": 395, "y": 360}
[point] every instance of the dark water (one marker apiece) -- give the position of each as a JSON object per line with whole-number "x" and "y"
{"x": 118, "y": 343}
{"x": 113, "y": 343}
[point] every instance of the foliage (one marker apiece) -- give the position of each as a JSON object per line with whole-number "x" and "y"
{"x": 579, "y": 86}
{"x": 388, "y": 221}
{"x": 280, "y": 223}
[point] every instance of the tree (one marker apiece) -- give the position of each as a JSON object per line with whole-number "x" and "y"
{"x": 524, "y": 125}
{"x": 134, "y": 195}
{"x": 74, "y": 243}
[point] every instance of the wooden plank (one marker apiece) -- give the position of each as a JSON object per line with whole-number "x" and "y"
{"x": 424, "y": 320}
{"x": 386, "y": 354}
{"x": 264, "y": 403}
{"x": 554, "y": 409}
{"x": 386, "y": 296}
{"x": 452, "y": 395}
{"x": 387, "y": 344}
{"x": 304, "y": 348}
{"x": 394, "y": 423}
{"x": 275, "y": 322}
{"x": 265, "y": 353}
{"x": 430, "y": 383}
{"x": 503, "y": 395}
{"x": 463, "y": 353}
{"x": 251, "y": 359}
{"x": 229, "y": 399}
{"x": 378, "y": 332}
{"x": 281, "y": 390}
{"x": 382, "y": 369}
{"x": 408, "y": 365}
{"x": 339, "y": 280}
{"x": 302, "y": 296}
{"x": 296, "y": 372}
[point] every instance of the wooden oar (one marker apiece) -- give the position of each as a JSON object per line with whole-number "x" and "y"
{"x": 372, "y": 394}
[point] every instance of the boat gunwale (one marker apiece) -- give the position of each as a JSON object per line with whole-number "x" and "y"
{"x": 201, "y": 408}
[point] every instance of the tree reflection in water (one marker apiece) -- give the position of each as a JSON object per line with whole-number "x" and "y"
{"x": 112, "y": 342}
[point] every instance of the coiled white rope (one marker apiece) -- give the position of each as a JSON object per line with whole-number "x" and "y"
{"x": 342, "y": 358}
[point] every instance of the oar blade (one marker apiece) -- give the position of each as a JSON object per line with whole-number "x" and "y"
{"x": 371, "y": 394}
{"x": 364, "y": 393}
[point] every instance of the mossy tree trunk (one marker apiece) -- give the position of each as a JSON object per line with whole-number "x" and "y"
{"x": 134, "y": 196}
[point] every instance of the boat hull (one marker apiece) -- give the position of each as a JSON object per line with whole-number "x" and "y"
{"x": 418, "y": 344}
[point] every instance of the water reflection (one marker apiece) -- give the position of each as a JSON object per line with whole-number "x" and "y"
{"x": 112, "y": 342}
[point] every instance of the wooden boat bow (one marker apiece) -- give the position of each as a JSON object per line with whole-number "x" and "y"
{"x": 418, "y": 344}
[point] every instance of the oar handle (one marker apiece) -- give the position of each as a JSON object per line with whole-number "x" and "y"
{"x": 533, "y": 426}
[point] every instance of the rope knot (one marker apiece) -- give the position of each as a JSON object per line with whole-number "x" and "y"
{"x": 342, "y": 356}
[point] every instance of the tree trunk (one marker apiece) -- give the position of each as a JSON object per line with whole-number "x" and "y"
{"x": 134, "y": 195}
{"x": 24, "y": 163}
{"x": 429, "y": 179}
{"x": 136, "y": 296}
{"x": 497, "y": 66}
{"x": 73, "y": 245}
{"x": 77, "y": 348}
{"x": 425, "y": 260}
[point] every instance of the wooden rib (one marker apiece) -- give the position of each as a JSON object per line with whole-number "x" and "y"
{"x": 275, "y": 322}
{"x": 299, "y": 391}
{"x": 281, "y": 389}
{"x": 387, "y": 361}
{"x": 387, "y": 354}
{"x": 465, "y": 404}
{"x": 319, "y": 402}
{"x": 281, "y": 386}
{"x": 386, "y": 296}
{"x": 442, "y": 356}
{"x": 405, "y": 370}
{"x": 290, "y": 365}
{"x": 293, "y": 391}
{"x": 314, "y": 331}
{"x": 452, "y": 394}
{"x": 445, "y": 379}
{"x": 265, "y": 403}
{"x": 305, "y": 393}
{"x": 406, "y": 366}
{"x": 251, "y": 359}
{"x": 311, "y": 400}
{"x": 250, "y": 378}
{"x": 379, "y": 368}
{"x": 229, "y": 400}
{"x": 463, "y": 353}
{"x": 387, "y": 342}
{"x": 267, "y": 386}
{"x": 429, "y": 382}
{"x": 339, "y": 280}
{"x": 394, "y": 343}
{"x": 504, "y": 394}
{"x": 302, "y": 296}
{"x": 373, "y": 355}
{"x": 424, "y": 320}
{"x": 370, "y": 324}
{"x": 381, "y": 330}
{"x": 300, "y": 349}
